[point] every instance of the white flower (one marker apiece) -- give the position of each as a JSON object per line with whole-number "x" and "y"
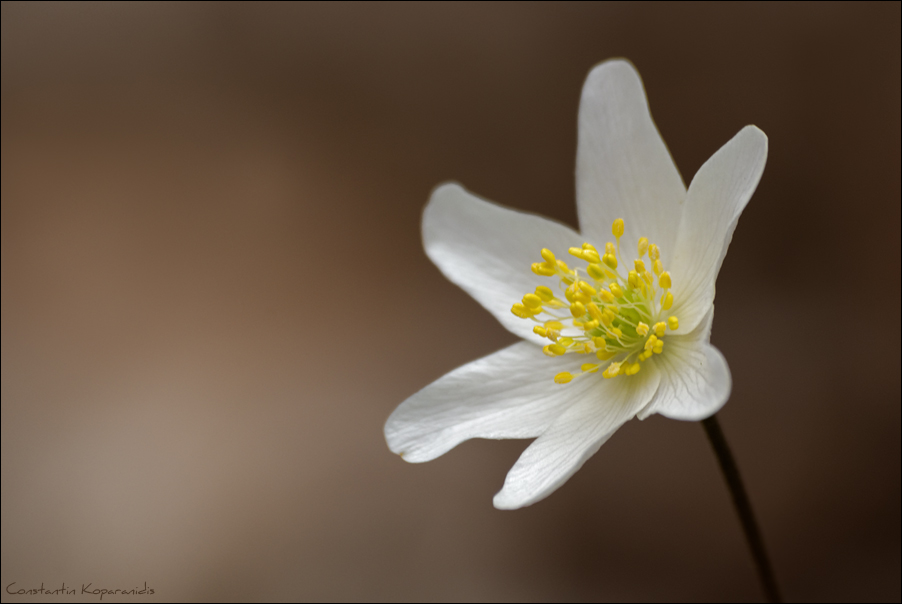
{"x": 640, "y": 333}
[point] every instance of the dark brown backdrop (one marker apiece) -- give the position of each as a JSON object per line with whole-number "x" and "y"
{"x": 214, "y": 293}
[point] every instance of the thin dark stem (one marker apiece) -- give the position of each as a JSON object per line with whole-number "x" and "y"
{"x": 743, "y": 508}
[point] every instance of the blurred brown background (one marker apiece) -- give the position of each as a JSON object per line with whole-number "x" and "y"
{"x": 214, "y": 293}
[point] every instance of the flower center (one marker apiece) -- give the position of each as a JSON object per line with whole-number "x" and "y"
{"x": 617, "y": 319}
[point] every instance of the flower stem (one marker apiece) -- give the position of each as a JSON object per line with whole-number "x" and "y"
{"x": 743, "y": 508}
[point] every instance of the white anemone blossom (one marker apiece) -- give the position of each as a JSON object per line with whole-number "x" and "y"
{"x": 624, "y": 332}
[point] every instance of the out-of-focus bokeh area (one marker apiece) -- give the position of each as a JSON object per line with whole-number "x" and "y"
{"x": 214, "y": 293}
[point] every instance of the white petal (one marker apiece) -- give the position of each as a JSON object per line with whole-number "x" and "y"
{"x": 623, "y": 168}
{"x": 575, "y": 436}
{"x": 695, "y": 378}
{"x": 508, "y": 394}
{"x": 718, "y": 194}
{"x": 488, "y": 250}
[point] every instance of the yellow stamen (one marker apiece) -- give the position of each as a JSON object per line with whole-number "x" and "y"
{"x": 673, "y": 323}
{"x": 667, "y": 301}
{"x": 658, "y": 267}
{"x": 643, "y": 245}
{"x": 613, "y": 370}
{"x": 562, "y": 378}
{"x": 633, "y": 279}
{"x": 554, "y": 350}
{"x": 577, "y": 309}
{"x": 616, "y": 290}
{"x": 664, "y": 280}
{"x": 595, "y": 271}
{"x": 642, "y": 329}
{"x": 521, "y": 311}
{"x": 594, "y": 311}
{"x": 532, "y": 301}
{"x": 548, "y": 255}
{"x": 542, "y": 269}
{"x": 659, "y": 329}
{"x": 545, "y": 293}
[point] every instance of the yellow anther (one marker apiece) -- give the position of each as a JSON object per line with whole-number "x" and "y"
{"x": 554, "y": 350}
{"x": 545, "y": 293}
{"x": 667, "y": 301}
{"x": 605, "y": 295}
{"x": 589, "y": 367}
{"x": 649, "y": 278}
{"x": 562, "y": 378}
{"x": 644, "y": 354}
{"x": 658, "y": 267}
{"x": 607, "y": 318}
{"x": 616, "y": 290}
{"x": 610, "y": 260}
{"x": 633, "y": 369}
{"x": 642, "y": 329}
{"x": 552, "y": 324}
{"x": 595, "y": 271}
{"x": 576, "y": 251}
{"x": 581, "y": 297}
{"x": 617, "y": 228}
{"x": 591, "y": 256}
{"x": 565, "y": 341}
{"x": 586, "y": 288}
{"x": 633, "y": 279}
{"x": 548, "y": 255}
{"x": 588, "y": 246}
{"x": 654, "y": 252}
{"x": 577, "y": 309}
{"x": 664, "y": 280}
{"x": 605, "y": 355}
{"x": 521, "y": 311}
{"x": 613, "y": 370}
{"x": 552, "y": 334}
{"x": 540, "y": 331}
{"x": 590, "y": 325}
{"x": 542, "y": 269}
{"x": 615, "y": 310}
{"x": 532, "y": 301}
{"x": 568, "y": 293}
{"x": 659, "y": 347}
{"x": 643, "y": 245}
{"x": 650, "y": 342}
{"x": 563, "y": 266}
{"x": 659, "y": 329}
{"x": 640, "y": 266}
{"x": 616, "y": 331}
{"x": 594, "y": 311}
{"x": 673, "y": 323}
{"x": 610, "y": 248}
